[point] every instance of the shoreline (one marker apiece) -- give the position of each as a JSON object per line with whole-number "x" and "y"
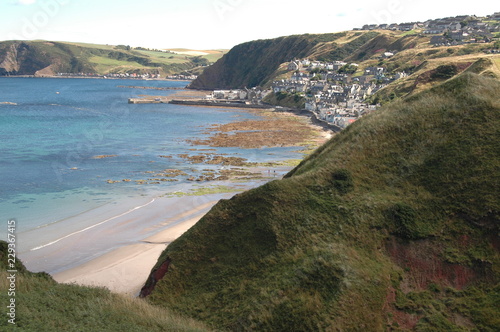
{"x": 124, "y": 242}
{"x": 125, "y": 269}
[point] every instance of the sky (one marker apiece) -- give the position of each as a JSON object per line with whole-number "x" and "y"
{"x": 209, "y": 24}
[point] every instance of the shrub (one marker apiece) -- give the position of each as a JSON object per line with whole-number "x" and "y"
{"x": 404, "y": 218}
{"x": 342, "y": 181}
{"x": 444, "y": 72}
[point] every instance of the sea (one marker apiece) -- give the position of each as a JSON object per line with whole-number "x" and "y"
{"x": 53, "y": 130}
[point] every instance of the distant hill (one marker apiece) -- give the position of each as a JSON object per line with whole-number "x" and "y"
{"x": 44, "y": 58}
{"x": 258, "y": 63}
{"x": 391, "y": 225}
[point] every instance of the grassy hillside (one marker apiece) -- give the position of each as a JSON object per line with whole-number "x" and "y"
{"x": 258, "y": 62}
{"x": 44, "y": 305}
{"x": 285, "y": 99}
{"x": 427, "y": 67}
{"x": 49, "y": 58}
{"x": 391, "y": 225}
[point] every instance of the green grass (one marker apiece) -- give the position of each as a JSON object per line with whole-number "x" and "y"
{"x": 106, "y": 65}
{"x": 212, "y": 58}
{"x": 319, "y": 249}
{"x": 286, "y": 99}
{"x": 166, "y": 58}
{"x": 44, "y": 305}
{"x": 409, "y": 33}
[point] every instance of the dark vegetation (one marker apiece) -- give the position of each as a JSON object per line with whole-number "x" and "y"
{"x": 286, "y": 99}
{"x": 391, "y": 225}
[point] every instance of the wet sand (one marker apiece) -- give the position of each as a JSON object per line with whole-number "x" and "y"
{"x": 125, "y": 269}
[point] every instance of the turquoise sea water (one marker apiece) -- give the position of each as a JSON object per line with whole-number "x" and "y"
{"x": 49, "y": 138}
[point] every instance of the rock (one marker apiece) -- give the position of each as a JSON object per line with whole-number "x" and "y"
{"x": 104, "y": 156}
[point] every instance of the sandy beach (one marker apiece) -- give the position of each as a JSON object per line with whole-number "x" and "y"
{"x": 125, "y": 269}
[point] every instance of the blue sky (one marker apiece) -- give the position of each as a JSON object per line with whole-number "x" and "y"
{"x": 208, "y": 24}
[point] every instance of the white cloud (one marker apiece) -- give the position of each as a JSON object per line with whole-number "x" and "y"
{"x": 25, "y": 2}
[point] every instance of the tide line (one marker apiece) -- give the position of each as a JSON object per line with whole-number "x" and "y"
{"x": 90, "y": 227}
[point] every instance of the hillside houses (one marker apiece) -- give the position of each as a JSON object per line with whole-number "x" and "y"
{"x": 337, "y": 98}
{"x": 247, "y": 96}
{"x": 459, "y": 29}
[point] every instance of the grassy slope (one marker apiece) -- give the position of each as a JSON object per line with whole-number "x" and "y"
{"x": 424, "y": 61}
{"x": 391, "y": 224}
{"x": 285, "y": 99}
{"x": 250, "y": 64}
{"x": 44, "y": 305}
{"x": 91, "y": 58}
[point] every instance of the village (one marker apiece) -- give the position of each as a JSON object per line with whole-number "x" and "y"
{"x": 333, "y": 95}
{"x": 337, "y": 96}
{"x": 450, "y": 30}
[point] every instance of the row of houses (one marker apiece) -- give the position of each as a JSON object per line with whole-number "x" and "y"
{"x": 306, "y": 64}
{"x": 182, "y": 77}
{"x": 249, "y": 96}
{"x": 344, "y": 116}
{"x": 466, "y": 23}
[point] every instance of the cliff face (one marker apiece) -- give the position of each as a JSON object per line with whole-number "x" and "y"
{"x": 393, "y": 224}
{"x": 252, "y": 64}
{"x": 9, "y": 62}
{"x": 19, "y": 58}
{"x": 39, "y": 59}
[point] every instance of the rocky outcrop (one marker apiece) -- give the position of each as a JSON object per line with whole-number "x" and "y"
{"x": 24, "y": 58}
{"x": 10, "y": 63}
{"x": 154, "y": 277}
